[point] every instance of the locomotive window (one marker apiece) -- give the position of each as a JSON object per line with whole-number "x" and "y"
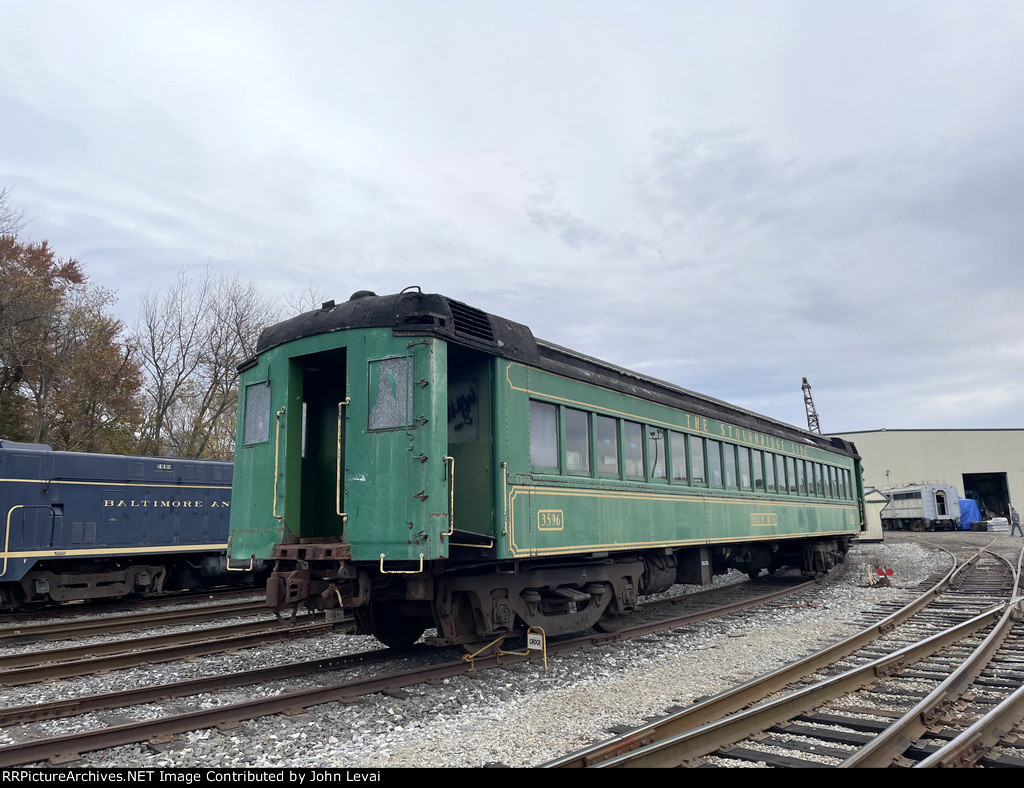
{"x": 257, "y": 413}
{"x": 606, "y": 430}
{"x": 769, "y": 472}
{"x": 745, "y": 478}
{"x": 577, "y": 441}
{"x": 543, "y": 435}
{"x": 697, "y": 475}
{"x": 678, "y": 457}
{"x": 758, "y": 470}
{"x": 730, "y": 465}
{"x": 656, "y": 452}
{"x": 633, "y": 454}
{"x": 714, "y": 463}
{"x": 391, "y": 393}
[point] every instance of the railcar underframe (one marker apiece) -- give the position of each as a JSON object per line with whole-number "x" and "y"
{"x": 469, "y": 602}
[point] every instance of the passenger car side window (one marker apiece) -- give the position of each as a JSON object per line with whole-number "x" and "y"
{"x": 543, "y": 435}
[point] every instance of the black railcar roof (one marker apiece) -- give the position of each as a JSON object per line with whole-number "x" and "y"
{"x": 413, "y": 312}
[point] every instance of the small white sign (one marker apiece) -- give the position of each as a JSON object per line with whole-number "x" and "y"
{"x": 534, "y": 641}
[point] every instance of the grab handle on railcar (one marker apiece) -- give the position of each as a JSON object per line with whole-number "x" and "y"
{"x": 252, "y": 563}
{"x": 337, "y": 495}
{"x": 277, "y": 454}
{"x": 384, "y": 571}
{"x": 450, "y": 461}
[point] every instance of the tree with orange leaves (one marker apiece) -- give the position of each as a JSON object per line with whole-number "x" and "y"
{"x": 67, "y": 377}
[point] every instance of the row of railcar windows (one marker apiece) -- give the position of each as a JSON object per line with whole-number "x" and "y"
{"x": 579, "y": 443}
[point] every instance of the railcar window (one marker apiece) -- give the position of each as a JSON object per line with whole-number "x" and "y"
{"x": 656, "y": 453}
{"x": 697, "y": 474}
{"x": 849, "y": 484}
{"x": 543, "y": 435}
{"x": 769, "y": 472}
{"x": 606, "y": 430}
{"x": 577, "y": 441}
{"x": 391, "y": 392}
{"x": 729, "y": 464}
{"x": 257, "y": 413}
{"x": 791, "y": 476}
{"x": 801, "y": 482}
{"x": 758, "y": 470}
{"x": 745, "y": 477}
{"x": 819, "y": 482}
{"x": 714, "y": 463}
{"x": 678, "y": 441}
{"x": 830, "y": 482}
{"x": 633, "y": 445}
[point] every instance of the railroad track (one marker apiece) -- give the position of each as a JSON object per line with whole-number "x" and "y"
{"x": 65, "y": 610}
{"x": 68, "y": 747}
{"x": 937, "y": 683}
{"x": 23, "y": 633}
{"x": 29, "y": 667}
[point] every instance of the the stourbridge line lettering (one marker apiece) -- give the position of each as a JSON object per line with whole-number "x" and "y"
{"x": 759, "y": 439}
{"x": 108, "y": 502}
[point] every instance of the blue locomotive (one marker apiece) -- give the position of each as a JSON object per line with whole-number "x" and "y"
{"x": 80, "y": 526}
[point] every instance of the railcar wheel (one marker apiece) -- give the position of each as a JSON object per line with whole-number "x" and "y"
{"x": 611, "y": 623}
{"x": 394, "y": 628}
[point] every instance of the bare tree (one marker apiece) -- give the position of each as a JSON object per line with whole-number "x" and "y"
{"x": 310, "y": 297}
{"x": 12, "y": 219}
{"x": 191, "y": 338}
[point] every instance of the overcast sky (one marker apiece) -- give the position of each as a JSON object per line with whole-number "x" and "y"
{"x": 726, "y": 195}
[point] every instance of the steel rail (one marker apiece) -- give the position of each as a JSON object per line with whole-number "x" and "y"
{"x": 968, "y": 747}
{"x": 66, "y": 630}
{"x": 21, "y": 669}
{"x": 59, "y": 610}
{"x": 757, "y": 689}
{"x": 67, "y": 747}
{"x": 706, "y": 739}
{"x": 972, "y": 744}
{"x": 37, "y": 712}
{"x": 891, "y": 743}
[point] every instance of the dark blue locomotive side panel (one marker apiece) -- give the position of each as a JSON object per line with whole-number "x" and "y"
{"x": 90, "y": 525}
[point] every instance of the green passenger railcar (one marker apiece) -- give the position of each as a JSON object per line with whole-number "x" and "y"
{"x": 420, "y": 464}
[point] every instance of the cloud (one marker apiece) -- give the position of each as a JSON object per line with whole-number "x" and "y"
{"x": 727, "y": 196}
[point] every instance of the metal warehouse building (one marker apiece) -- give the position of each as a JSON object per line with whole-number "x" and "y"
{"x": 987, "y": 462}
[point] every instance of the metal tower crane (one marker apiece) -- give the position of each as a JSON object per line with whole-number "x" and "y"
{"x": 812, "y": 415}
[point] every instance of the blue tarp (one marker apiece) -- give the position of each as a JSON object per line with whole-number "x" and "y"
{"x": 969, "y": 513}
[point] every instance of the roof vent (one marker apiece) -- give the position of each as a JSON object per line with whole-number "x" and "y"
{"x": 362, "y": 294}
{"x": 471, "y": 322}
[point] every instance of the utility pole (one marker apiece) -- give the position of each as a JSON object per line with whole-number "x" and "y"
{"x": 812, "y": 414}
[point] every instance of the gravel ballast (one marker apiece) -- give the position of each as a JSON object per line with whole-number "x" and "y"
{"x": 519, "y": 716}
